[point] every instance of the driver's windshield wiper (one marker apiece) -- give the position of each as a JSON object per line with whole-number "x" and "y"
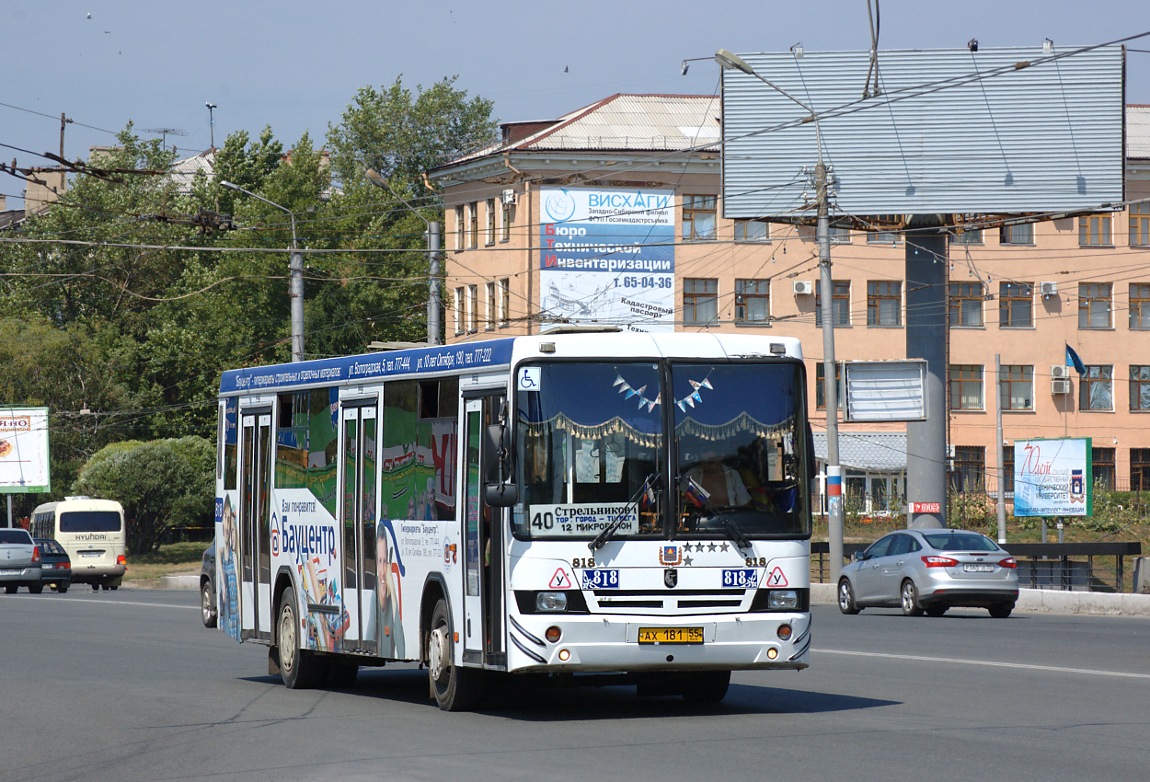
{"x": 646, "y": 490}
{"x": 735, "y": 533}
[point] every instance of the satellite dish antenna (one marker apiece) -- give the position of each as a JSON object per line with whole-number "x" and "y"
{"x": 165, "y": 132}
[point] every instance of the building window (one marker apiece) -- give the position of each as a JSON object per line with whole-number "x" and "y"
{"x": 1094, "y": 231}
{"x": 884, "y": 237}
{"x": 1016, "y": 234}
{"x": 460, "y": 296}
{"x": 840, "y": 303}
{"x": 473, "y": 225}
{"x": 1094, "y": 305}
{"x": 472, "y": 308}
{"x": 1103, "y": 467}
{"x": 1140, "y": 224}
{"x": 966, "y": 387}
{"x": 700, "y": 301}
{"x": 699, "y": 213}
{"x": 489, "y": 306}
{"x": 1015, "y": 304}
{"x": 503, "y": 306}
{"x": 964, "y": 304}
{"x": 753, "y": 301}
{"x": 1096, "y": 388}
{"x": 966, "y": 236}
{"x": 459, "y": 228}
{"x": 1016, "y": 387}
{"x": 840, "y": 234}
{"x": 884, "y": 303}
{"x": 505, "y": 215}
{"x": 1140, "y": 387}
{"x": 489, "y": 233}
{"x": 968, "y": 468}
{"x": 1139, "y": 306}
{"x": 752, "y": 231}
{"x": 1139, "y": 469}
{"x": 1008, "y": 470}
{"x": 820, "y": 385}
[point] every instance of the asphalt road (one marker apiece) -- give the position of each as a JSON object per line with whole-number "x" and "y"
{"x": 128, "y": 685}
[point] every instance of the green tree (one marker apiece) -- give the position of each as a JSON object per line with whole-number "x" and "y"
{"x": 163, "y": 485}
{"x": 403, "y": 135}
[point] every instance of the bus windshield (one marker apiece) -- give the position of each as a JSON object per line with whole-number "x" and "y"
{"x": 90, "y": 521}
{"x": 594, "y": 452}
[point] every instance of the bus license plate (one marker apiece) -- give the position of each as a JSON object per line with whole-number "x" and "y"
{"x": 670, "y": 635}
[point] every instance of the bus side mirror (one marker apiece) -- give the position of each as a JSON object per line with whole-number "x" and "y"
{"x": 499, "y": 491}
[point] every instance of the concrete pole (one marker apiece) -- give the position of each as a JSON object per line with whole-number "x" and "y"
{"x": 296, "y": 294}
{"x": 926, "y": 264}
{"x": 434, "y": 307}
{"x": 834, "y": 483}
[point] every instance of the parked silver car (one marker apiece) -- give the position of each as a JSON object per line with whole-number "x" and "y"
{"x": 930, "y": 571}
{"x": 19, "y": 560}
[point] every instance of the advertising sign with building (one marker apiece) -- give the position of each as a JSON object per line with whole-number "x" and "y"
{"x": 607, "y": 257}
{"x": 1053, "y": 477}
{"x": 24, "y": 450}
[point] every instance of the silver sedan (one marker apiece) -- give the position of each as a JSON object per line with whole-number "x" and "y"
{"x": 930, "y": 571}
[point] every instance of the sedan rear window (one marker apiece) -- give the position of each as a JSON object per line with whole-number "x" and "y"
{"x": 960, "y": 541}
{"x": 15, "y": 536}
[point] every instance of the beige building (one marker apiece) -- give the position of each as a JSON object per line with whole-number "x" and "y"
{"x": 1021, "y": 293}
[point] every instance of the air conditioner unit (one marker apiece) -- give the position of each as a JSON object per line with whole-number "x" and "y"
{"x": 803, "y": 287}
{"x": 1048, "y": 288}
{"x": 509, "y": 196}
{"x": 1059, "y": 387}
{"x": 1059, "y": 371}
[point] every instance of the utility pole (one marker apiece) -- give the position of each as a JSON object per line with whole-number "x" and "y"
{"x": 63, "y": 121}
{"x": 212, "y": 122}
{"x": 834, "y": 486}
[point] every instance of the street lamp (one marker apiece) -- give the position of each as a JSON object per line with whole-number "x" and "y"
{"x": 212, "y": 121}
{"x": 295, "y": 285}
{"x": 433, "y": 305}
{"x": 732, "y": 61}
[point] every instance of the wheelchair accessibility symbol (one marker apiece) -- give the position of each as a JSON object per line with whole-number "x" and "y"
{"x": 529, "y": 379}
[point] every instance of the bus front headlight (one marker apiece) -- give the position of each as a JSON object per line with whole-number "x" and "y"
{"x": 549, "y": 602}
{"x": 783, "y": 598}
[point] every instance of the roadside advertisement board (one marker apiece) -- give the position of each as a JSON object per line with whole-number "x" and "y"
{"x": 608, "y": 257}
{"x": 1053, "y": 477}
{"x": 24, "y": 450}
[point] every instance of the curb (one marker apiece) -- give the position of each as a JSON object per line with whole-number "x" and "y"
{"x": 1047, "y": 601}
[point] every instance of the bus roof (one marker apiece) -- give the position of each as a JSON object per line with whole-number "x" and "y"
{"x": 500, "y": 353}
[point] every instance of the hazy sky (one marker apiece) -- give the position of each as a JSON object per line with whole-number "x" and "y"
{"x": 295, "y": 65}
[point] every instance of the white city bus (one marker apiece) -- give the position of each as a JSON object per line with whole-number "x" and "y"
{"x": 92, "y": 532}
{"x": 522, "y": 505}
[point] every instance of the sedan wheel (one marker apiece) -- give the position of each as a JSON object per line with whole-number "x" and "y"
{"x": 1001, "y": 610}
{"x": 847, "y": 598}
{"x": 909, "y": 599}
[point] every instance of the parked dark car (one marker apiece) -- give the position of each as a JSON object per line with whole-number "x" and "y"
{"x": 55, "y": 566}
{"x": 209, "y": 608}
{"x": 930, "y": 571}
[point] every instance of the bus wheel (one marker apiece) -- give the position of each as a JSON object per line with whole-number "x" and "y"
{"x": 707, "y": 686}
{"x": 454, "y": 688}
{"x": 298, "y": 669}
{"x": 95, "y": 587}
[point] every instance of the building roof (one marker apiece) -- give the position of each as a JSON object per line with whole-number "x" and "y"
{"x": 1138, "y": 131}
{"x": 632, "y": 123}
{"x": 184, "y": 171}
{"x": 867, "y": 451}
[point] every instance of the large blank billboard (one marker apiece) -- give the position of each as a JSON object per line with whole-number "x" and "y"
{"x": 953, "y": 131}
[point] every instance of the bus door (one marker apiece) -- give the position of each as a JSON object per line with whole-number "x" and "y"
{"x": 483, "y": 541}
{"x": 254, "y": 522}
{"x": 357, "y": 517}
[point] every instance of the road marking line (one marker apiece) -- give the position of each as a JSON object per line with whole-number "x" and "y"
{"x": 984, "y": 663}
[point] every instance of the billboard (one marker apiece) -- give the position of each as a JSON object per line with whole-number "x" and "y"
{"x": 936, "y": 132}
{"x": 24, "y": 450}
{"x": 1053, "y": 477}
{"x": 884, "y": 390}
{"x": 607, "y": 257}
